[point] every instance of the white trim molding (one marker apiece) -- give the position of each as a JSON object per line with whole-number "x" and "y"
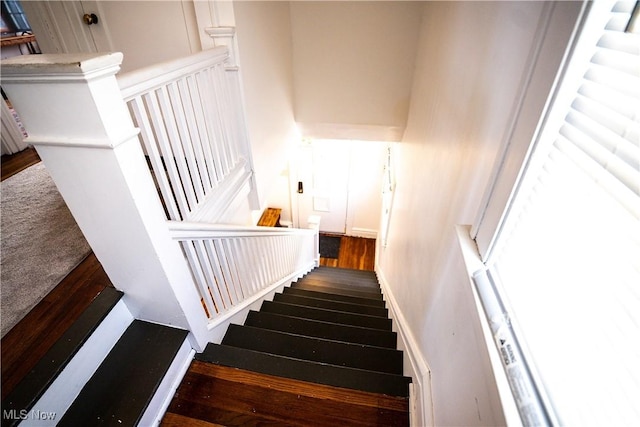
{"x": 369, "y": 233}
{"x": 421, "y": 403}
{"x": 351, "y": 131}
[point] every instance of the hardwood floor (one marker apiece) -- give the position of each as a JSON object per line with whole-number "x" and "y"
{"x": 217, "y": 395}
{"x": 355, "y": 252}
{"x": 14, "y": 163}
{"x": 30, "y": 339}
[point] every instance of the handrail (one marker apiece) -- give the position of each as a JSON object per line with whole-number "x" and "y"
{"x": 137, "y": 82}
{"x": 192, "y": 130}
{"x": 180, "y": 230}
{"x": 233, "y": 265}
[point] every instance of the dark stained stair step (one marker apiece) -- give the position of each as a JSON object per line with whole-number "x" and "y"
{"x": 327, "y": 315}
{"x": 323, "y": 287}
{"x": 319, "y": 329}
{"x": 347, "y": 284}
{"x": 320, "y": 350}
{"x": 345, "y": 272}
{"x": 36, "y": 382}
{"x": 365, "y": 283}
{"x": 334, "y": 297}
{"x": 331, "y": 305}
{"x": 337, "y": 376}
{"x": 123, "y": 385}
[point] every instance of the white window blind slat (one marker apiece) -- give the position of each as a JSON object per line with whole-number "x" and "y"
{"x": 619, "y": 41}
{"x": 623, "y": 6}
{"x": 613, "y": 80}
{"x": 618, "y": 22}
{"x": 620, "y": 61}
{"x": 610, "y": 150}
{"x": 566, "y": 263}
{"x": 605, "y": 122}
{"x": 615, "y": 188}
{"x": 617, "y": 101}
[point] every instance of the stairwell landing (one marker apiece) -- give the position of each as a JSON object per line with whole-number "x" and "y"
{"x": 321, "y": 353}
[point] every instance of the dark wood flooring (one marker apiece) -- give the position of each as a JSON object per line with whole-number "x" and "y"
{"x": 14, "y": 163}
{"x": 30, "y": 339}
{"x": 358, "y": 253}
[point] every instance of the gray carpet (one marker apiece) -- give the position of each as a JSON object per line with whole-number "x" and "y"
{"x": 41, "y": 242}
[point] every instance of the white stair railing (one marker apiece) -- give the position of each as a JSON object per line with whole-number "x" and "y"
{"x": 235, "y": 265}
{"x": 193, "y": 132}
{"x": 169, "y": 269}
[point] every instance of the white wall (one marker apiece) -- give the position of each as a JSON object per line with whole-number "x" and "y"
{"x": 471, "y": 59}
{"x": 264, "y": 44}
{"x": 353, "y": 64}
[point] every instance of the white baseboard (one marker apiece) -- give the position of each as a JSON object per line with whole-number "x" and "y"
{"x": 363, "y": 232}
{"x": 421, "y": 401}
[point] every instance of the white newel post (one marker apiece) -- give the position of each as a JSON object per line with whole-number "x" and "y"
{"x": 313, "y": 223}
{"x": 73, "y": 111}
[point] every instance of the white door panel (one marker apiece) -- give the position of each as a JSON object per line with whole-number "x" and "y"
{"x": 323, "y": 170}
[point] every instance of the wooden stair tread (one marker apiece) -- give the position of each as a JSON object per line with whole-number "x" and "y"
{"x": 122, "y": 386}
{"x": 327, "y": 315}
{"x": 323, "y": 287}
{"x": 331, "y": 305}
{"x": 35, "y": 383}
{"x": 353, "y": 355}
{"x": 360, "y": 286}
{"x": 334, "y": 297}
{"x": 287, "y": 367}
{"x": 356, "y": 277}
{"x": 232, "y": 396}
{"x": 334, "y": 271}
{"x": 320, "y": 329}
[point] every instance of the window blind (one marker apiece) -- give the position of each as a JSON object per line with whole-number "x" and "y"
{"x": 566, "y": 264}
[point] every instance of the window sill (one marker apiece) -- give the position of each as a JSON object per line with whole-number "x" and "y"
{"x": 473, "y": 263}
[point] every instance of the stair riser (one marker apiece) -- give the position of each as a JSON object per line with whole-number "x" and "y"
{"x": 331, "y": 305}
{"x": 336, "y": 291}
{"x": 364, "y": 284}
{"x": 346, "y": 285}
{"x": 374, "y": 382}
{"x": 344, "y": 272}
{"x": 327, "y": 315}
{"x": 313, "y": 349}
{"x": 374, "y": 337}
{"x": 334, "y": 297}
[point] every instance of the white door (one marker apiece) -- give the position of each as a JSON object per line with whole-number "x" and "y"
{"x": 323, "y": 183}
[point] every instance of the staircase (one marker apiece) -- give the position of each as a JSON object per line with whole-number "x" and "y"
{"x": 322, "y": 353}
{"x": 106, "y": 369}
